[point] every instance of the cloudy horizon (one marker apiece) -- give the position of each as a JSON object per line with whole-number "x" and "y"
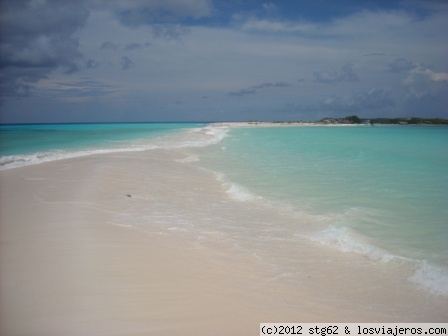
{"x": 205, "y": 60}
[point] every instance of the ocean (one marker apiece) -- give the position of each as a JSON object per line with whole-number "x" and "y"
{"x": 380, "y": 192}
{"x": 36, "y": 143}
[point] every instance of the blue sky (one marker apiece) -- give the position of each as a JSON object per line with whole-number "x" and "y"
{"x": 205, "y": 60}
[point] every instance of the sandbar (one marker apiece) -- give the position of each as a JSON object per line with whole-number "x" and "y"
{"x": 71, "y": 263}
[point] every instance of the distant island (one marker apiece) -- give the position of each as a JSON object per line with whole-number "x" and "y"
{"x": 385, "y": 121}
{"x": 355, "y": 120}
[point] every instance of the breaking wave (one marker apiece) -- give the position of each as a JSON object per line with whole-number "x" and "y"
{"x": 431, "y": 278}
{"x": 196, "y": 137}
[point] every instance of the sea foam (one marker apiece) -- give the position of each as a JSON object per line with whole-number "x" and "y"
{"x": 196, "y": 137}
{"x": 15, "y": 161}
{"x": 431, "y": 278}
{"x": 236, "y": 191}
{"x": 347, "y": 240}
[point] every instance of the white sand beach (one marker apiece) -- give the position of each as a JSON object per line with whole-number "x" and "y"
{"x": 72, "y": 265}
{"x": 245, "y": 124}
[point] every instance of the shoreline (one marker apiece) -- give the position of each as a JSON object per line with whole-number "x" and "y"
{"x": 75, "y": 263}
{"x": 67, "y": 268}
{"x": 243, "y": 124}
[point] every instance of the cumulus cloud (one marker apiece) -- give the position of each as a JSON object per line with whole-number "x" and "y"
{"x": 254, "y": 89}
{"x": 419, "y": 79}
{"x": 37, "y": 37}
{"x": 419, "y": 72}
{"x": 422, "y": 81}
{"x": 267, "y": 39}
{"x": 347, "y": 74}
{"x": 439, "y": 76}
{"x": 372, "y": 100}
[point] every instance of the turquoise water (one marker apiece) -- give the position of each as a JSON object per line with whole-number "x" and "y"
{"x": 29, "y": 144}
{"x": 379, "y": 191}
{"x": 383, "y": 190}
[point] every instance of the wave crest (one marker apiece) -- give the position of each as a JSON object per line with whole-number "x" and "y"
{"x": 431, "y": 278}
{"x": 236, "y": 191}
{"x": 197, "y": 137}
{"x": 346, "y": 240}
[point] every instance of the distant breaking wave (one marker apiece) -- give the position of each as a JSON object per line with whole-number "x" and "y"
{"x": 197, "y": 137}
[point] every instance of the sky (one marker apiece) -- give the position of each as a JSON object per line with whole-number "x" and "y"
{"x": 221, "y": 60}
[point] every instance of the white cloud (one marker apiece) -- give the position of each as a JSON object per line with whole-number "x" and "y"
{"x": 358, "y": 102}
{"x": 420, "y": 71}
{"x": 271, "y": 26}
{"x": 371, "y": 24}
{"x": 439, "y": 76}
{"x": 177, "y": 62}
{"x": 366, "y": 23}
{"x": 215, "y": 61}
{"x": 422, "y": 81}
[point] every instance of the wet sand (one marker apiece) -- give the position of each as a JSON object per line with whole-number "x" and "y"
{"x": 70, "y": 263}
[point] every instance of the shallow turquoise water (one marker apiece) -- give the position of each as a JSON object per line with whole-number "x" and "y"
{"x": 379, "y": 191}
{"x": 30, "y": 144}
{"x": 23, "y": 139}
{"x": 389, "y": 185}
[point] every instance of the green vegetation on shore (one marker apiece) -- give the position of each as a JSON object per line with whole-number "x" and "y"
{"x": 387, "y": 121}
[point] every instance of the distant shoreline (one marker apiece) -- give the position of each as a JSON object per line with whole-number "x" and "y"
{"x": 347, "y": 121}
{"x": 242, "y": 124}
